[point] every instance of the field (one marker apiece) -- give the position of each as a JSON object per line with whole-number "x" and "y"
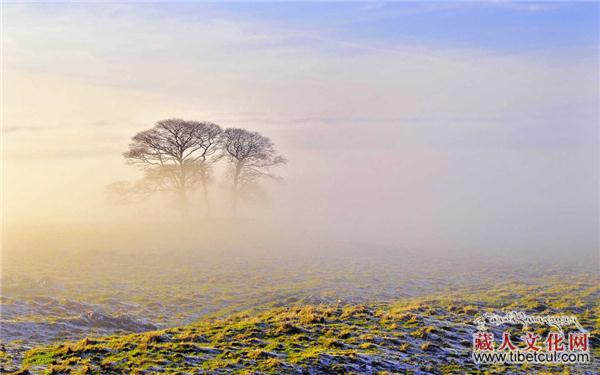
{"x": 355, "y": 310}
{"x": 299, "y": 187}
{"x": 425, "y": 335}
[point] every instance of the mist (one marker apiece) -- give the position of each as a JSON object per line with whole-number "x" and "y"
{"x": 299, "y": 187}
{"x": 400, "y": 144}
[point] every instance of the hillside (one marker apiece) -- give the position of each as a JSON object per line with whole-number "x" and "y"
{"x": 431, "y": 334}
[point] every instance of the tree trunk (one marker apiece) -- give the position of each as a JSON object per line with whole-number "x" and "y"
{"x": 183, "y": 203}
{"x": 206, "y": 200}
{"x": 236, "y": 181}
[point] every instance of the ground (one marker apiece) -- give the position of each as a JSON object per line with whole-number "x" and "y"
{"x": 357, "y": 310}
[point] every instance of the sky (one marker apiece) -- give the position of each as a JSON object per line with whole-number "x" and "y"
{"x": 449, "y": 125}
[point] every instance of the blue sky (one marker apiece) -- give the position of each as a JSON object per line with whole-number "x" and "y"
{"x": 502, "y": 26}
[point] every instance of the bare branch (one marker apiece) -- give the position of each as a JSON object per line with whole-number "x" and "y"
{"x": 175, "y": 155}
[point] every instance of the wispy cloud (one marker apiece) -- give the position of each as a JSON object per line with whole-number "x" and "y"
{"x": 531, "y": 7}
{"x": 99, "y": 123}
{"x": 65, "y": 154}
{"x": 23, "y": 129}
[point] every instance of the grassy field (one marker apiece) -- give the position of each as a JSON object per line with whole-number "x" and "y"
{"x": 359, "y": 312}
{"x": 427, "y": 334}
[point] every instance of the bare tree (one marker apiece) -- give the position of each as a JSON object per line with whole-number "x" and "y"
{"x": 251, "y": 157}
{"x": 209, "y": 137}
{"x": 175, "y": 155}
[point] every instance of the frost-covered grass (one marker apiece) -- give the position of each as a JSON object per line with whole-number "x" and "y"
{"x": 54, "y": 297}
{"x": 430, "y": 333}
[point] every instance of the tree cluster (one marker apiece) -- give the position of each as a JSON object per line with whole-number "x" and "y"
{"x": 179, "y": 156}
